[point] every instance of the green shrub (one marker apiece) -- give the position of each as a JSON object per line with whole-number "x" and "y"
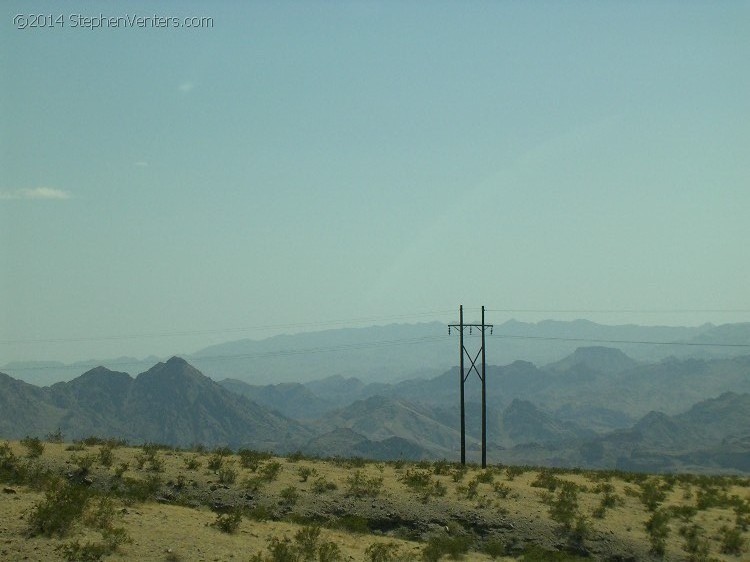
{"x": 501, "y": 489}
{"x": 259, "y": 513}
{"x": 141, "y": 490}
{"x": 100, "y": 513}
{"x": 9, "y": 467}
{"x": 329, "y": 552}
{"x": 296, "y": 456}
{"x": 608, "y": 501}
{"x": 470, "y": 490}
{"x": 150, "y": 456}
{"x": 270, "y": 471}
{"x": 444, "y": 545}
{"x": 485, "y": 477}
{"x": 421, "y": 481}
{"x": 305, "y": 472}
{"x": 657, "y": 528}
{"x": 192, "y": 462}
{"x": 307, "y": 542}
{"x": 289, "y": 495}
{"x": 228, "y": 522}
{"x": 441, "y": 467}
{"x": 382, "y": 552}
{"x": 215, "y": 461}
{"x": 227, "y": 474}
{"x": 742, "y": 512}
{"x": 683, "y": 512}
{"x": 281, "y": 550}
{"x": 352, "y": 524}
{"x": 512, "y": 471}
{"x": 459, "y": 472}
{"x": 251, "y": 459}
{"x": 732, "y": 541}
{"x": 223, "y": 451}
{"x": 106, "y": 456}
{"x": 34, "y": 446}
{"x": 696, "y": 544}
{"x": 578, "y": 533}
{"x": 322, "y": 485}
{"x": 34, "y": 475}
{"x": 564, "y": 507}
{"x": 652, "y": 494}
{"x": 114, "y": 537}
{"x": 416, "y": 479}
{"x": 359, "y": 485}
{"x": 495, "y": 548}
{"x": 55, "y": 436}
{"x": 63, "y": 504}
{"x": 252, "y": 483}
{"x": 84, "y": 462}
{"x": 547, "y": 480}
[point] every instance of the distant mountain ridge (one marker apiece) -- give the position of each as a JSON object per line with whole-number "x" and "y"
{"x": 405, "y": 351}
{"x": 170, "y": 403}
{"x": 595, "y": 408}
{"x": 659, "y": 442}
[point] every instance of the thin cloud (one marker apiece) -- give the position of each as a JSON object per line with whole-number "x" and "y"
{"x": 185, "y": 87}
{"x": 35, "y": 193}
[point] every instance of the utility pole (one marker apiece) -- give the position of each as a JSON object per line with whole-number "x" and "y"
{"x": 463, "y": 375}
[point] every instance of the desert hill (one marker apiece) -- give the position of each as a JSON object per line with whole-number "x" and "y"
{"x": 573, "y": 413}
{"x": 170, "y": 403}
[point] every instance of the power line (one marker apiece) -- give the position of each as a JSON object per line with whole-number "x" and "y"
{"x": 634, "y": 342}
{"x": 386, "y": 343}
{"x": 622, "y": 310}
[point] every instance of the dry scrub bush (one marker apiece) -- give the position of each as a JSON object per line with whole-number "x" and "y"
{"x": 63, "y": 504}
{"x": 359, "y": 485}
{"x": 34, "y": 446}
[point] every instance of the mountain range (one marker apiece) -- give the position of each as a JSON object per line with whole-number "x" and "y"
{"x": 597, "y": 407}
{"x": 398, "y": 352}
{"x": 170, "y": 403}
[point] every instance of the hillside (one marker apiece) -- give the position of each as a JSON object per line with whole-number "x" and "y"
{"x": 170, "y": 403}
{"x": 573, "y": 413}
{"x": 156, "y": 503}
{"x": 293, "y": 400}
{"x": 379, "y": 418}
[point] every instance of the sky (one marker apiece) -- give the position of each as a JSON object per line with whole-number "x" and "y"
{"x": 290, "y": 166}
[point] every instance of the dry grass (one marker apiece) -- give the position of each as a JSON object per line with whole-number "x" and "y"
{"x": 177, "y": 519}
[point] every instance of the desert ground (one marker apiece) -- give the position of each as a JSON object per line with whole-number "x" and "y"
{"x": 102, "y": 500}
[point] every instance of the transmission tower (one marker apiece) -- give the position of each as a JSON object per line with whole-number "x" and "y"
{"x": 464, "y": 374}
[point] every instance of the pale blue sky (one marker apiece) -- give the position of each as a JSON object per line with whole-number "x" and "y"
{"x": 316, "y": 161}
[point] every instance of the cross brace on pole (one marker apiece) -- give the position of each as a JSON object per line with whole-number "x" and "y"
{"x": 464, "y": 374}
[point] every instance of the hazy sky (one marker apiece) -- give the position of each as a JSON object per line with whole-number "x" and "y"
{"x": 305, "y": 162}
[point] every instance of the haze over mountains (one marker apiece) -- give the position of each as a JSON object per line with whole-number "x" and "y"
{"x": 405, "y": 351}
{"x": 596, "y": 407}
